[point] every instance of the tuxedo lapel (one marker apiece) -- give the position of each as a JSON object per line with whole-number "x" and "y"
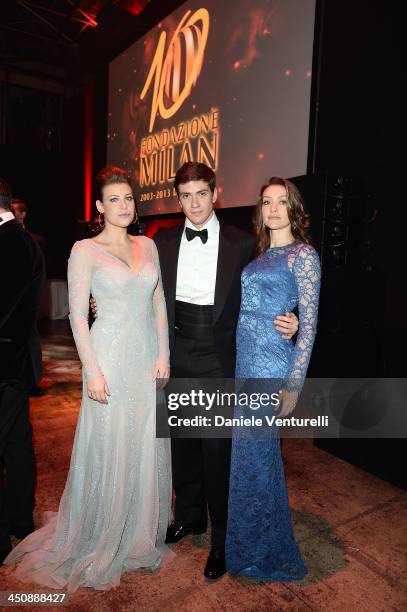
{"x": 228, "y": 258}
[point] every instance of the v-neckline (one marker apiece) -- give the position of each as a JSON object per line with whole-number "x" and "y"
{"x": 115, "y": 256}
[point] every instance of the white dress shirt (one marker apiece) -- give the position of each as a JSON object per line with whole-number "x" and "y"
{"x": 197, "y": 264}
{"x": 6, "y": 216}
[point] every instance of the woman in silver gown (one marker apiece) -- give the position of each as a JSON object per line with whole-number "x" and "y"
{"x": 115, "y": 508}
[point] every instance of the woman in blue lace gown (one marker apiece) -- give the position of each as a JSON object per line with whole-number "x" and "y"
{"x": 260, "y": 542}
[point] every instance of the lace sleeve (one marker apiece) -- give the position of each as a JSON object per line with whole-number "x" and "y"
{"x": 307, "y": 272}
{"x": 160, "y": 311}
{"x": 79, "y": 283}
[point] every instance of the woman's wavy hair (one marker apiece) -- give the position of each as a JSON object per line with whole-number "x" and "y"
{"x": 299, "y": 219}
{"x": 107, "y": 176}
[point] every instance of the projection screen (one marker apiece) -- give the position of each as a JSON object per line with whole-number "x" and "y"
{"x": 225, "y": 83}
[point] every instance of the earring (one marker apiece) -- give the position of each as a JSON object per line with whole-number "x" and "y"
{"x": 100, "y": 221}
{"x": 135, "y": 220}
{"x": 294, "y": 225}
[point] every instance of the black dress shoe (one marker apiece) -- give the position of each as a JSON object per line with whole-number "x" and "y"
{"x": 175, "y": 532}
{"x": 215, "y": 566}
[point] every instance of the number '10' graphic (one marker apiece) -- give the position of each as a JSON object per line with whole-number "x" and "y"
{"x": 167, "y": 73}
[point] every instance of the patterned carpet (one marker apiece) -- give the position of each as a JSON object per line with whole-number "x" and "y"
{"x": 350, "y": 525}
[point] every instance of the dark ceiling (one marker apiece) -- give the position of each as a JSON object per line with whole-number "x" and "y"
{"x": 73, "y": 37}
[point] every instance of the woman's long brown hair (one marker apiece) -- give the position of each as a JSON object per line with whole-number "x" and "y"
{"x": 299, "y": 219}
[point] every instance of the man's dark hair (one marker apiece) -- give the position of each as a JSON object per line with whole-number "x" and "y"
{"x": 5, "y": 194}
{"x": 194, "y": 171}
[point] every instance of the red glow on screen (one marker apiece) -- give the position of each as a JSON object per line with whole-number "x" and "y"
{"x": 153, "y": 226}
{"x": 134, "y": 7}
{"x": 88, "y": 148}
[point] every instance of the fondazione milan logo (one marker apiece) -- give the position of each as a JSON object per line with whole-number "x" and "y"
{"x": 174, "y": 76}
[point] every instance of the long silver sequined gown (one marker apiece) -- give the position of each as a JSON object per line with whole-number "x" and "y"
{"x": 115, "y": 508}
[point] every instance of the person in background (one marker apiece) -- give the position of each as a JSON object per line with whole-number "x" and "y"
{"x": 22, "y": 278}
{"x": 19, "y": 208}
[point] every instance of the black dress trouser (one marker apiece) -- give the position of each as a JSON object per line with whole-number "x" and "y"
{"x": 17, "y": 476}
{"x": 201, "y": 466}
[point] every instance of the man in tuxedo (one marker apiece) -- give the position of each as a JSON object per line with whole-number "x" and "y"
{"x": 19, "y": 209}
{"x": 201, "y": 263}
{"x": 22, "y": 276}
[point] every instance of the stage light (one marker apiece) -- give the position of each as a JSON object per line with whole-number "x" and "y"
{"x": 87, "y": 19}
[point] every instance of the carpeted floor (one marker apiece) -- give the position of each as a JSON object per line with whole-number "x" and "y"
{"x": 351, "y": 526}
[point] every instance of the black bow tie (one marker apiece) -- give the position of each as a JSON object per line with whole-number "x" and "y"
{"x": 191, "y": 234}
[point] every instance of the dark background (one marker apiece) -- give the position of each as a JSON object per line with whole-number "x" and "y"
{"x": 356, "y": 119}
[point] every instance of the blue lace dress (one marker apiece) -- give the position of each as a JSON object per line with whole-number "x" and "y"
{"x": 260, "y": 542}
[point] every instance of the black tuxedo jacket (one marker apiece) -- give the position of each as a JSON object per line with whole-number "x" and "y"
{"x": 22, "y": 278}
{"x": 236, "y": 248}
